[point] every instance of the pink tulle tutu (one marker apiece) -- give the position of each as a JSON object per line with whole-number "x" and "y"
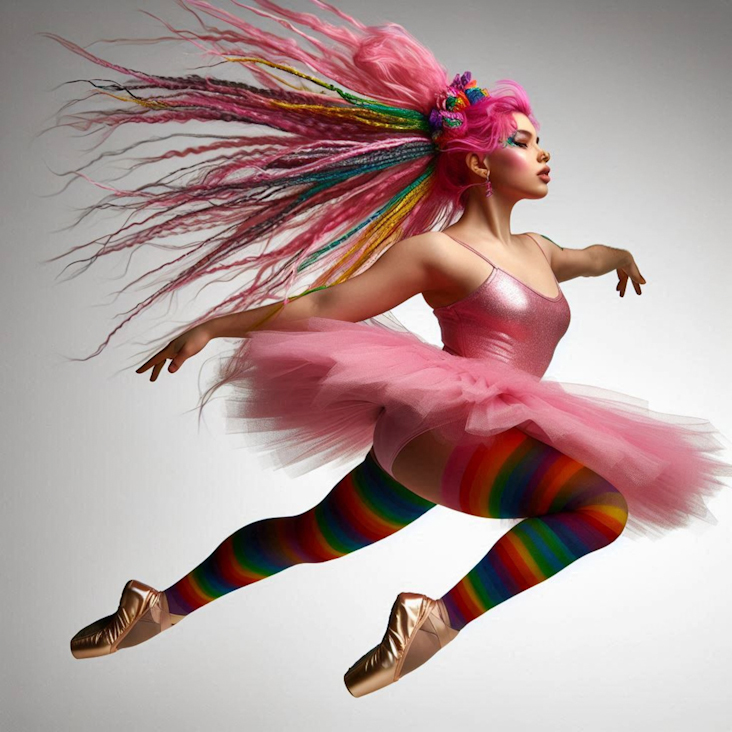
{"x": 312, "y": 395}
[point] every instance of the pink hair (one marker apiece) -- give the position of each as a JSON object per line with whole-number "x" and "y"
{"x": 348, "y": 173}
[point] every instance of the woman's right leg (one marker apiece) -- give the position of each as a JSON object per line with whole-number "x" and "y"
{"x": 365, "y": 506}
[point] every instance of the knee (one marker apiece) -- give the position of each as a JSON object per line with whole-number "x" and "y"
{"x": 614, "y": 509}
{"x": 619, "y": 512}
{"x": 608, "y": 512}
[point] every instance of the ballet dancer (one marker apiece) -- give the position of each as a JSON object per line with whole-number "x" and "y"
{"x": 363, "y": 180}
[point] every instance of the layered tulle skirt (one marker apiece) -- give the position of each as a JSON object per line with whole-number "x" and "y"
{"x": 312, "y": 395}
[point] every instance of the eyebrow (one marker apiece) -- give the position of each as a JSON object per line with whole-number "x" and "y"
{"x": 529, "y": 134}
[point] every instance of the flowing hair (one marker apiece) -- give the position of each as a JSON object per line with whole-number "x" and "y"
{"x": 355, "y": 164}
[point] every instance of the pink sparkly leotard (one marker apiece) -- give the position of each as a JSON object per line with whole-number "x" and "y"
{"x": 502, "y": 319}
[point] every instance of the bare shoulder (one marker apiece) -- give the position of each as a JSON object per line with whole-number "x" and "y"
{"x": 430, "y": 251}
{"x": 424, "y": 247}
{"x": 566, "y": 263}
{"x": 404, "y": 270}
{"x": 549, "y": 247}
{"x": 442, "y": 255}
{"x": 450, "y": 271}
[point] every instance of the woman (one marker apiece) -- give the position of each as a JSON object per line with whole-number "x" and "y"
{"x": 472, "y": 426}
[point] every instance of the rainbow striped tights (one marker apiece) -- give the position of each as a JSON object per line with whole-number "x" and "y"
{"x": 568, "y": 511}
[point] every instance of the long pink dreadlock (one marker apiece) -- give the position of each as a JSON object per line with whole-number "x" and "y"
{"x": 349, "y": 174}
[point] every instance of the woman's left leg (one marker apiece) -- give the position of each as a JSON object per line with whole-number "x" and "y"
{"x": 365, "y": 506}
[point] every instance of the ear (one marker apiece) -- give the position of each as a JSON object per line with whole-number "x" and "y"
{"x": 476, "y": 165}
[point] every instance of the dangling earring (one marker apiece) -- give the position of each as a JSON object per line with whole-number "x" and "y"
{"x": 488, "y": 186}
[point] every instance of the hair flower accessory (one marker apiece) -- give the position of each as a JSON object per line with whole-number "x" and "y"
{"x": 447, "y": 115}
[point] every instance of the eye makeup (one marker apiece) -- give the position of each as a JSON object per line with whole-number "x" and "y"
{"x": 513, "y": 142}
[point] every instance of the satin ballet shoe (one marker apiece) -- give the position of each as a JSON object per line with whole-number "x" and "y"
{"x": 418, "y": 627}
{"x": 143, "y": 613}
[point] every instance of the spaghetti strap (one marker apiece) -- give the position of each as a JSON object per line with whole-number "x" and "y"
{"x": 538, "y": 245}
{"x": 545, "y": 257}
{"x": 482, "y": 256}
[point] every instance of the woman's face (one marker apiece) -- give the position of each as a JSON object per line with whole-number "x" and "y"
{"x": 514, "y": 168}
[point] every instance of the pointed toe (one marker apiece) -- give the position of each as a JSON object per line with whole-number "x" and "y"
{"x": 418, "y": 627}
{"x": 142, "y": 613}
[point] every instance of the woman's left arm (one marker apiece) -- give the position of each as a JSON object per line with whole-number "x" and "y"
{"x": 593, "y": 261}
{"x": 605, "y": 259}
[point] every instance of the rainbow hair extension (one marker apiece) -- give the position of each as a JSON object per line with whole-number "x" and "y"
{"x": 372, "y": 154}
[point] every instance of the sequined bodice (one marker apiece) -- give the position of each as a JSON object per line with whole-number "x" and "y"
{"x": 505, "y": 319}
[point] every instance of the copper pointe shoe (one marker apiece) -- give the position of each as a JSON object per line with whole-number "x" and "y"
{"x": 418, "y": 627}
{"x": 143, "y": 612}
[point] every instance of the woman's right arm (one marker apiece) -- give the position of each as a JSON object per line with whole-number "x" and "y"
{"x": 403, "y": 271}
{"x": 406, "y": 269}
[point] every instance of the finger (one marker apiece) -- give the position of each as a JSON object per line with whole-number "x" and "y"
{"x": 178, "y": 360}
{"x": 153, "y": 360}
{"x": 156, "y": 370}
{"x": 150, "y": 362}
{"x": 623, "y": 282}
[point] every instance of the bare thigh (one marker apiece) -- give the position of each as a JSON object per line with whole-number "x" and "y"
{"x": 420, "y": 464}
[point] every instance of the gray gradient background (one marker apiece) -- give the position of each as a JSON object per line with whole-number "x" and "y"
{"x": 107, "y": 477}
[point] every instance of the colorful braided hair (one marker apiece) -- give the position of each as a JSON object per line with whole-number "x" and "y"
{"x": 354, "y": 166}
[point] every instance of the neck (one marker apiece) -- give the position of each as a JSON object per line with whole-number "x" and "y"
{"x": 487, "y": 219}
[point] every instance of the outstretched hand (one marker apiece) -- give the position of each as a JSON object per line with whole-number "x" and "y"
{"x": 178, "y": 351}
{"x": 629, "y": 270}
